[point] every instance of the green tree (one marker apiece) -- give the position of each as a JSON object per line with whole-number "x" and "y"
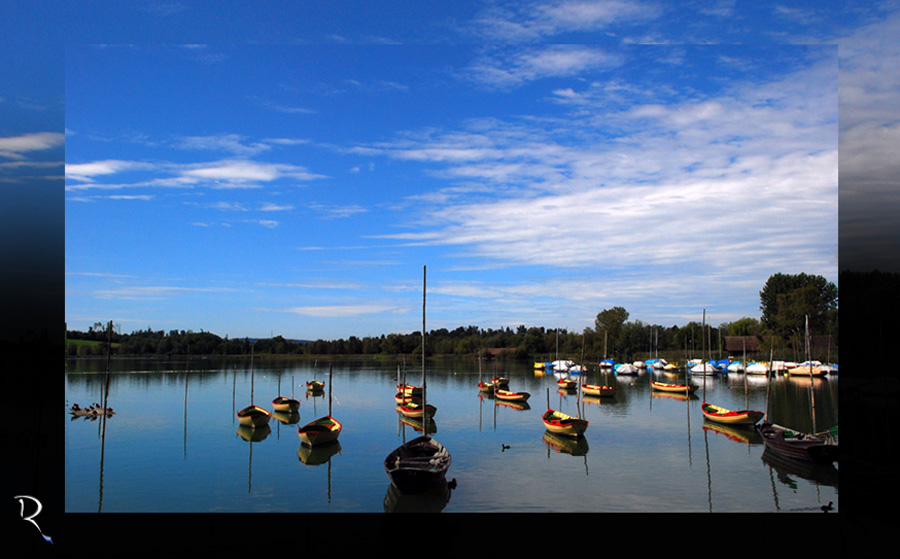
{"x": 786, "y": 299}
{"x": 611, "y": 321}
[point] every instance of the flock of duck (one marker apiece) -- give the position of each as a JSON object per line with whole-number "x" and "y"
{"x": 94, "y": 410}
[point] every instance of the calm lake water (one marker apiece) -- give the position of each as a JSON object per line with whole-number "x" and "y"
{"x": 174, "y": 444}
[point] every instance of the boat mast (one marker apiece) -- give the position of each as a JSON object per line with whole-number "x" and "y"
{"x": 704, "y": 354}
{"x": 812, "y": 391}
{"x": 424, "y": 400}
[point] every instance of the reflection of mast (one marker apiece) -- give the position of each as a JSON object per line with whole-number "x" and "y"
{"x": 708, "y": 472}
{"x": 104, "y": 406}
{"x": 186, "y": 379}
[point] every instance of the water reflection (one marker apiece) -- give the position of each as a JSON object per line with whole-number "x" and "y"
{"x": 638, "y": 434}
{"x": 434, "y": 499}
{"x": 319, "y": 454}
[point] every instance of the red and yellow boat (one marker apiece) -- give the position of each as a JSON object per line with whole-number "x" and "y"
{"x": 413, "y": 408}
{"x": 566, "y": 384}
{"x": 719, "y": 414}
{"x": 511, "y": 396}
{"x": 598, "y": 390}
{"x": 672, "y": 387}
{"x": 559, "y": 423}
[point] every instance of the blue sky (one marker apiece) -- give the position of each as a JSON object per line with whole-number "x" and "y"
{"x": 290, "y": 170}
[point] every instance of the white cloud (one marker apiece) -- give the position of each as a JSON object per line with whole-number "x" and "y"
{"x": 340, "y": 311}
{"x": 86, "y": 172}
{"x": 15, "y": 147}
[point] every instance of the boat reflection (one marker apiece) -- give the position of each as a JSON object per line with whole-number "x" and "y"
{"x": 598, "y": 400}
{"x": 746, "y": 435}
{"x": 417, "y": 424}
{"x": 566, "y": 445}
{"x": 513, "y": 405}
{"x": 432, "y": 500}
{"x": 319, "y": 454}
{"x": 673, "y": 396}
{"x": 254, "y": 434}
{"x": 287, "y": 418}
{"x": 823, "y": 474}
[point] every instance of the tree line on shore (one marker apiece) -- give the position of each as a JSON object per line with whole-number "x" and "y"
{"x": 786, "y": 302}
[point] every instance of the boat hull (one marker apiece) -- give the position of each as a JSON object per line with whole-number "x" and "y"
{"x": 805, "y": 448}
{"x": 253, "y": 416}
{"x": 559, "y": 423}
{"x": 321, "y": 431}
{"x": 486, "y": 386}
{"x": 416, "y": 466}
{"x": 289, "y": 405}
{"x": 676, "y": 388}
{"x": 566, "y": 384}
{"x": 598, "y": 390}
{"x": 806, "y": 371}
{"x": 315, "y": 386}
{"x": 730, "y": 417}
{"x": 415, "y": 410}
{"x": 511, "y": 396}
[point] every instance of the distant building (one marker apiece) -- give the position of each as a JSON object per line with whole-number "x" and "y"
{"x": 736, "y": 345}
{"x": 491, "y": 352}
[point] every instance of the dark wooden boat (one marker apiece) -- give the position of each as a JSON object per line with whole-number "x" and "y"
{"x": 417, "y": 465}
{"x": 821, "y": 448}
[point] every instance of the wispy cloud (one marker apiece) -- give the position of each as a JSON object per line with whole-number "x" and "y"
{"x": 154, "y": 292}
{"x": 513, "y": 66}
{"x": 341, "y": 311}
{"x": 514, "y": 21}
{"x": 222, "y": 174}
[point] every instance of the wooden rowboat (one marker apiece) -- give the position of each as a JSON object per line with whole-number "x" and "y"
{"x": 315, "y": 385}
{"x": 417, "y": 465}
{"x": 821, "y": 448}
{"x": 561, "y": 424}
{"x": 409, "y": 390}
{"x": 253, "y": 416}
{"x": 669, "y": 387}
{"x": 730, "y": 417}
{"x": 321, "y": 431}
{"x": 511, "y": 396}
{"x": 282, "y": 403}
{"x": 598, "y": 390}
{"x": 414, "y": 409}
{"x": 486, "y": 386}
{"x": 500, "y": 382}
{"x": 566, "y": 384}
